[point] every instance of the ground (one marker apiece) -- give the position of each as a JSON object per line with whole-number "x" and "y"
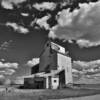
{"x": 69, "y": 93}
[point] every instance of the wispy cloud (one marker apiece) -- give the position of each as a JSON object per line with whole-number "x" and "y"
{"x": 8, "y": 65}
{"x": 86, "y": 65}
{"x": 2, "y": 76}
{"x": 9, "y": 71}
{"x": 5, "y": 45}
{"x": 18, "y": 28}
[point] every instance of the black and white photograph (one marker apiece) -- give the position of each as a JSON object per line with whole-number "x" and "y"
{"x": 49, "y": 49}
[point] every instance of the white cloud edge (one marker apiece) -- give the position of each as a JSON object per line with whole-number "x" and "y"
{"x": 44, "y": 5}
{"x": 8, "y": 4}
{"x": 18, "y": 28}
{"x": 33, "y": 62}
{"x": 68, "y": 22}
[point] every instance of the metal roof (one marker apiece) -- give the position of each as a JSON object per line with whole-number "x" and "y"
{"x": 43, "y": 74}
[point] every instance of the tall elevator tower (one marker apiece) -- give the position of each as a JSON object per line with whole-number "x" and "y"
{"x": 54, "y": 58}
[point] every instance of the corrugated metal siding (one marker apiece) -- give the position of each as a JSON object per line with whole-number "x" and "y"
{"x": 64, "y": 62}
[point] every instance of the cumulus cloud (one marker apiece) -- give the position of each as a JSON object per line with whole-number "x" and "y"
{"x": 7, "y": 68}
{"x": 80, "y": 24}
{"x": 51, "y": 33}
{"x": 8, "y": 4}
{"x": 33, "y": 62}
{"x": 44, "y": 5}
{"x": 18, "y": 28}
{"x": 42, "y": 22}
{"x": 87, "y": 69}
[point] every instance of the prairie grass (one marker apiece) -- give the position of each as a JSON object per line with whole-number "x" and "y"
{"x": 68, "y": 93}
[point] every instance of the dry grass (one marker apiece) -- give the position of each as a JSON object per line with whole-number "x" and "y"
{"x": 16, "y": 94}
{"x": 94, "y": 97}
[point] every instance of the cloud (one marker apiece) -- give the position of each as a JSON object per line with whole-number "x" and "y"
{"x": 70, "y": 41}
{"x": 8, "y": 68}
{"x": 42, "y": 22}
{"x": 51, "y": 33}
{"x": 85, "y": 69}
{"x": 2, "y": 71}
{"x": 9, "y": 71}
{"x": 2, "y": 76}
{"x": 86, "y": 43}
{"x": 75, "y": 71}
{"x": 25, "y": 14}
{"x": 33, "y": 62}
{"x": 17, "y": 27}
{"x": 2, "y": 60}
{"x": 80, "y": 24}
{"x": 9, "y": 65}
{"x": 8, "y": 4}
{"x": 5, "y": 45}
{"x": 45, "y": 5}
{"x": 86, "y": 65}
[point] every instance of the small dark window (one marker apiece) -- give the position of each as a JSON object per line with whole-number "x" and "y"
{"x": 55, "y": 81}
{"x": 47, "y": 69}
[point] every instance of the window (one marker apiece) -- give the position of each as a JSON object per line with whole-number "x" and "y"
{"x": 55, "y": 81}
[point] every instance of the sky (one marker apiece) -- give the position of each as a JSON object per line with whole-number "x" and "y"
{"x": 26, "y": 25}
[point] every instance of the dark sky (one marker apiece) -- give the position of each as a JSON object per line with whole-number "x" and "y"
{"x": 82, "y": 54}
{"x": 23, "y": 47}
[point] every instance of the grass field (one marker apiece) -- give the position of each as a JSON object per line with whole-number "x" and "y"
{"x": 94, "y": 97}
{"x": 69, "y": 94}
